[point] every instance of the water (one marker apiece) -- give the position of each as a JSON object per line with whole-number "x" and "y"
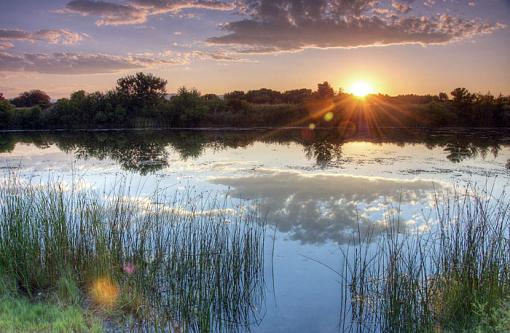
{"x": 318, "y": 189}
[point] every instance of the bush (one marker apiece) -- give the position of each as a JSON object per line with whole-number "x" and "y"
{"x": 6, "y": 109}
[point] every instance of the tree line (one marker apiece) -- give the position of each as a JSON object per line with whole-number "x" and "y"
{"x": 141, "y": 100}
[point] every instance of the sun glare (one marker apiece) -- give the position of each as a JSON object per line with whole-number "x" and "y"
{"x": 361, "y": 89}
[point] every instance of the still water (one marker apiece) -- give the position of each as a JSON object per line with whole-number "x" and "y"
{"x": 317, "y": 189}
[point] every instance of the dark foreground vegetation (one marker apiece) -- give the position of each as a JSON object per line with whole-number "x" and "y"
{"x": 141, "y": 101}
{"x": 182, "y": 263}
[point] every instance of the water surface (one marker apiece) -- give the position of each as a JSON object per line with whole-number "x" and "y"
{"x": 318, "y": 189}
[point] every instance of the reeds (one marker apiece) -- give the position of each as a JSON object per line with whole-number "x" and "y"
{"x": 448, "y": 279}
{"x": 183, "y": 263}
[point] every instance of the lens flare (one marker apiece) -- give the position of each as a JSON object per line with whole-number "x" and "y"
{"x": 329, "y": 116}
{"x": 104, "y": 292}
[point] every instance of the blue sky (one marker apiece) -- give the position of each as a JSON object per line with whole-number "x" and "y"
{"x": 404, "y": 46}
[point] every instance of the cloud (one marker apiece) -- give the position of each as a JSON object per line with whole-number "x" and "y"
{"x": 290, "y": 25}
{"x": 155, "y": 7}
{"x": 324, "y": 207}
{"x": 6, "y": 45}
{"x": 186, "y": 57}
{"x": 429, "y": 3}
{"x": 74, "y": 63}
{"x": 52, "y": 36}
{"x": 402, "y": 7}
{"x": 137, "y": 11}
{"x": 217, "y": 56}
{"x": 109, "y": 13}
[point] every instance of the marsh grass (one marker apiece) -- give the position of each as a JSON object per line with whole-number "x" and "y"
{"x": 181, "y": 263}
{"x": 453, "y": 278}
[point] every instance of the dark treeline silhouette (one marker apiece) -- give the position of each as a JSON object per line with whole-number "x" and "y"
{"x": 141, "y": 101}
{"x": 147, "y": 151}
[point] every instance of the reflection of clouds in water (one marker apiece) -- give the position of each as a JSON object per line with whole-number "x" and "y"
{"x": 13, "y": 180}
{"x": 53, "y": 160}
{"x": 324, "y": 207}
{"x": 186, "y": 208}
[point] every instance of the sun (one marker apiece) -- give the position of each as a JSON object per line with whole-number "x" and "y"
{"x": 361, "y": 89}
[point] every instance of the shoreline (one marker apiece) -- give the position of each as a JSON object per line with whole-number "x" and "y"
{"x": 247, "y": 129}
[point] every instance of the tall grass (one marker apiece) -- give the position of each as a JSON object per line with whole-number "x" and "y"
{"x": 449, "y": 279}
{"x": 180, "y": 263}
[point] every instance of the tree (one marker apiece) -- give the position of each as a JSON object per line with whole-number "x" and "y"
{"x": 32, "y": 98}
{"x": 325, "y": 91}
{"x": 2, "y": 98}
{"x": 210, "y": 97}
{"x": 235, "y": 95}
{"x": 264, "y": 96}
{"x": 5, "y": 112}
{"x": 443, "y": 97}
{"x": 297, "y": 96}
{"x": 462, "y": 97}
{"x": 141, "y": 91}
{"x": 236, "y": 100}
{"x": 188, "y": 106}
{"x": 214, "y": 103}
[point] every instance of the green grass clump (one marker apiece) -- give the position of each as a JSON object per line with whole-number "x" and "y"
{"x": 497, "y": 321}
{"x": 18, "y": 314}
{"x": 186, "y": 262}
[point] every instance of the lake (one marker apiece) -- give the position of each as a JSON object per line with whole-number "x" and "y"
{"x": 317, "y": 190}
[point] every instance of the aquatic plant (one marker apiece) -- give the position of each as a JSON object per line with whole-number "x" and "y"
{"x": 448, "y": 279}
{"x": 182, "y": 263}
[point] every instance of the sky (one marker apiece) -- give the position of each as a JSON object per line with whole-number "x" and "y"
{"x": 216, "y": 46}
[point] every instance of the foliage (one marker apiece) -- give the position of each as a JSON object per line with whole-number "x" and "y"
{"x": 28, "y": 118}
{"x": 324, "y": 91}
{"x": 462, "y": 97}
{"x": 6, "y": 109}
{"x": 141, "y": 92}
{"x": 297, "y": 96}
{"x": 140, "y": 100}
{"x": 263, "y": 96}
{"x": 32, "y": 98}
{"x": 187, "y": 107}
{"x": 443, "y": 97}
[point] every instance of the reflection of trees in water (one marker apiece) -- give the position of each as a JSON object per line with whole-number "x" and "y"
{"x": 7, "y": 144}
{"x": 132, "y": 152}
{"x": 460, "y": 151}
{"x": 147, "y": 151}
{"x": 323, "y": 152}
{"x": 189, "y": 145}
